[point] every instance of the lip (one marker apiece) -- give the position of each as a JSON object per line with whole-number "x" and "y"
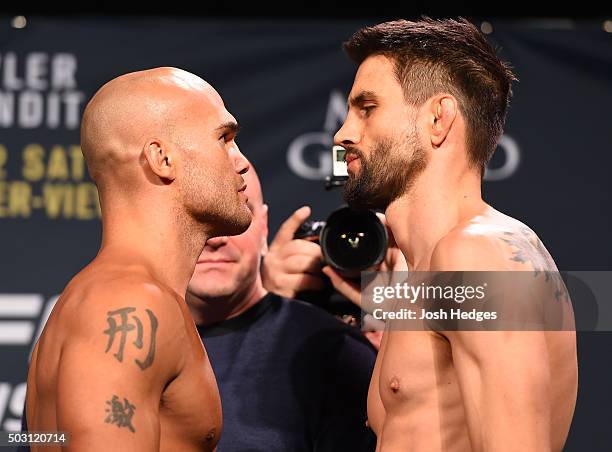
{"x": 243, "y": 188}
{"x": 215, "y": 261}
{"x": 350, "y": 157}
{"x": 350, "y": 162}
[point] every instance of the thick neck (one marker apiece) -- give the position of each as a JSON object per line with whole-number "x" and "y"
{"x": 154, "y": 234}
{"x": 438, "y": 201}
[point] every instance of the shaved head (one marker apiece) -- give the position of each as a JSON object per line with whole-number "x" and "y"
{"x": 134, "y": 105}
{"x": 165, "y": 133}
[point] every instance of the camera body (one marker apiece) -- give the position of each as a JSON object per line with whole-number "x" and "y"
{"x": 351, "y": 240}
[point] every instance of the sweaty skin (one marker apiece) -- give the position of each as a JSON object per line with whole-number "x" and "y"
{"x": 119, "y": 365}
{"x": 456, "y": 390}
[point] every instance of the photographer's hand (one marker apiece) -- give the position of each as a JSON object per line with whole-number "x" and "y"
{"x": 291, "y": 265}
{"x": 394, "y": 261}
{"x": 351, "y": 290}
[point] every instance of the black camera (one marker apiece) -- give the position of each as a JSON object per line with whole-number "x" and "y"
{"x": 351, "y": 240}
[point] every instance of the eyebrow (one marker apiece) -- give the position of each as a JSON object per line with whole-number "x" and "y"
{"x": 362, "y": 97}
{"x": 229, "y": 126}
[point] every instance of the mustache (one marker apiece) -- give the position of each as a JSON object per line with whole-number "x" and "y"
{"x": 353, "y": 150}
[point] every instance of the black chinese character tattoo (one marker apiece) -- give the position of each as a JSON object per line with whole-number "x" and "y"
{"x": 119, "y": 413}
{"x": 124, "y": 327}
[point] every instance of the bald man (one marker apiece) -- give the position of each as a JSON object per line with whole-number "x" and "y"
{"x": 292, "y": 377}
{"x": 119, "y": 365}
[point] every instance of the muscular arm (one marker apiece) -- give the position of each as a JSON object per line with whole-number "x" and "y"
{"x": 504, "y": 376}
{"x": 113, "y": 368}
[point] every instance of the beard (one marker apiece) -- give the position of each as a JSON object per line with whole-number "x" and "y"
{"x": 214, "y": 203}
{"x": 386, "y": 174}
{"x": 225, "y": 215}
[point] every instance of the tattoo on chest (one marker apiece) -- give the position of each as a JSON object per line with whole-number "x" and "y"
{"x": 119, "y": 324}
{"x": 528, "y": 248}
{"x": 119, "y": 413}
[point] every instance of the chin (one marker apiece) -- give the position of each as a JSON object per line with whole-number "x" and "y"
{"x": 245, "y": 219}
{"x": 228, "y": 226}
{"x": 239, "y": 222}
{"x": 207, "y": 277}
{"x": 213, "y": 289}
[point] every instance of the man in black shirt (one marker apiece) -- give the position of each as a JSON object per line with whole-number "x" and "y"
{"x": 291, "y": 376}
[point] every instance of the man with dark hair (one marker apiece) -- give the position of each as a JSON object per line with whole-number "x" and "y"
{"x": 426, "y": 110}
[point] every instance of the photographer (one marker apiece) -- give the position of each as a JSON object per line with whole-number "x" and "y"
{"x": 292, "y": 266}
{"x": 290, "y": 375}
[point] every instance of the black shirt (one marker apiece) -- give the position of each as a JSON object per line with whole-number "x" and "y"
{"x": 291, "y": 378}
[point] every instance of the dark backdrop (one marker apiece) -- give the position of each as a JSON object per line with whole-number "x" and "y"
{"x": 286, "y": 81}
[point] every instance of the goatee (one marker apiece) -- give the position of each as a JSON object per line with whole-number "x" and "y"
{"x": 385, "y": 175}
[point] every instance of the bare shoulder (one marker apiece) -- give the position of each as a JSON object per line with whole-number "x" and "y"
{"x": 126, "y": 318}
{"x": 493, "y": 242}
{"x": 137, "y": 289}
{"x": 123, "y": 339}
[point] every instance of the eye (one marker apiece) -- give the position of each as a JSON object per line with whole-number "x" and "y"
{"x": 229, "y": 136}
{"x": 367, "y": 109}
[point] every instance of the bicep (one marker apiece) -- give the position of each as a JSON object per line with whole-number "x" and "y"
{"x": 111, "y": 374}
{"x": 105, "y": 405}
{"x": 504, "y": 375}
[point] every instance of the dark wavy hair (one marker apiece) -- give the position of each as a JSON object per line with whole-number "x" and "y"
{"x": 445, "y": 56}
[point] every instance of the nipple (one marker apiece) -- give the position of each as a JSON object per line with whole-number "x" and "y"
{"x": 210, "y": 435}
{"x": 394, "y": 384}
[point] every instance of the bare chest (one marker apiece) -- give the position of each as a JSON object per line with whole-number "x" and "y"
{"x": 417, "y": 371}
{"x": 190, "y": 407}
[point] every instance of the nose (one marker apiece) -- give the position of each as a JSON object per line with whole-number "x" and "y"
{"x": 214, "y": 243}
{"x": 348, "y": 134}
{"x": 241, "y": 163}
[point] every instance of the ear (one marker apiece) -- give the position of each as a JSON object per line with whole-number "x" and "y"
{"x": 264, "y": 230}
{"x": 160, "y": 159}
{"x": 442, "y": 113}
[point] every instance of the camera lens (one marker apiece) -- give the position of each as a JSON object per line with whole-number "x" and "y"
{"x": 353, "y": 240}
